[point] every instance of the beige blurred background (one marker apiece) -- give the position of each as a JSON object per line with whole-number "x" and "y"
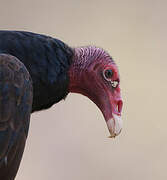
{"x": 69, "y": 141}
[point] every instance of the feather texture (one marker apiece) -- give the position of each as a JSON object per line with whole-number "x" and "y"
{"x": 47, "y": 59}
{"x": 15, "y": 107}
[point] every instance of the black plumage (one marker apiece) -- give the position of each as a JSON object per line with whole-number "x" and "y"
{"x": 15, "y": 106}
{"x": 47, "y": 60}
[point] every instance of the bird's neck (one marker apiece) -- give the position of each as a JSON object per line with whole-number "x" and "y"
{"x": 77, "y": 69}
{"x": 84, "y": 62}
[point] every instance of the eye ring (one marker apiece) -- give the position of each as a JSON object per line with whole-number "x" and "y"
{"x": 108, "y": 73}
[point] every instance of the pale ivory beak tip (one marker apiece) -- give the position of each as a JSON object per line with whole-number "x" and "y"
{"x": 114, "y": 125}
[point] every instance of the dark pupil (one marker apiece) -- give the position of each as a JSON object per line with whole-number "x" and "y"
{"x": 108, "y": 73}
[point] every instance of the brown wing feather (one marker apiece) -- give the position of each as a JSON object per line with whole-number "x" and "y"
{"x": 15, "y": 107}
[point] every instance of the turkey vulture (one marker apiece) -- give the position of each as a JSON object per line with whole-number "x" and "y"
{"x": 37, "y": 71}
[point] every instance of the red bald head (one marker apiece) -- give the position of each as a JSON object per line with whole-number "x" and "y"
{"x": 94, "y": 74}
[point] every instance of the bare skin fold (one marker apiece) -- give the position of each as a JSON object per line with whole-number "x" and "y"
{"x": 94, "y": 74}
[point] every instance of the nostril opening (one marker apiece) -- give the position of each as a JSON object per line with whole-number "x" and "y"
{"x": 119, "y": 106}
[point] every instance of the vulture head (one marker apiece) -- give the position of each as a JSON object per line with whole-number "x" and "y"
{"x": 94, "y": 74}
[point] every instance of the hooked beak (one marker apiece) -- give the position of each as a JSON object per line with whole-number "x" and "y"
{"x": 111, "y": 110}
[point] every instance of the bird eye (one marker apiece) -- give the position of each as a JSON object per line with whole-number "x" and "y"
{"x": 108, "y": 74}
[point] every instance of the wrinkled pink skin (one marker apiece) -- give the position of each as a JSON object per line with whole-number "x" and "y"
{"x": 86, "y": 77}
